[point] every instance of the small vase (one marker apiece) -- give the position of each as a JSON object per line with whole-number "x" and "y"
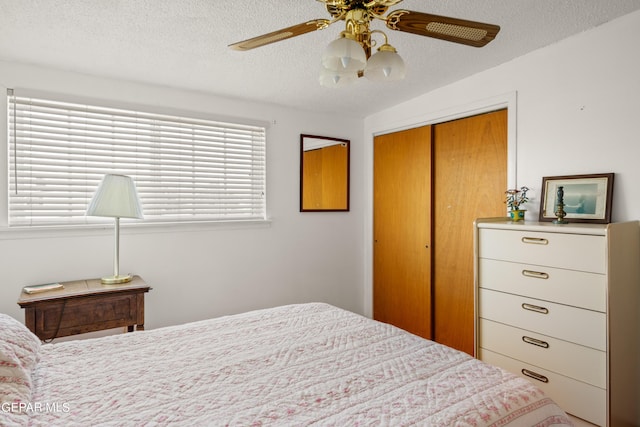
{"x": 517, "y": 215}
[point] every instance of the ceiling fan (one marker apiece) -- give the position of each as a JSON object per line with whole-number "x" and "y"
{"x": 349, "y": 57}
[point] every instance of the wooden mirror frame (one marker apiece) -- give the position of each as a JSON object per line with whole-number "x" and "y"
{"x": 326, "y": 204}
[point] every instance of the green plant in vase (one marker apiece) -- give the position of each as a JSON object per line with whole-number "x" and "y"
{"x": 514, "y": 198}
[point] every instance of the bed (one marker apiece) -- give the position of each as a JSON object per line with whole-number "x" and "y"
{"x": 302, "y": 364}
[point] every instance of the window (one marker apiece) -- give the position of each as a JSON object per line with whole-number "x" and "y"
{"x": 185, "y": 169}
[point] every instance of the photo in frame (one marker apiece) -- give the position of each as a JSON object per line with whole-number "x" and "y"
{"x": 587, "y": 198}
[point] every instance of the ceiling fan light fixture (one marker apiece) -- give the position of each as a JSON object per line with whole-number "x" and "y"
{"x": 385, "y": 65}
{"x": 344, "y": 55}
{"x": 345, "y": 59}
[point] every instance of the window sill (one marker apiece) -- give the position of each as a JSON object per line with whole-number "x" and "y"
{"x": 19, "y": 233}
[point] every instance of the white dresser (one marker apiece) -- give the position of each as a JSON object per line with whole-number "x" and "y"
{"x": 560, "y": 305}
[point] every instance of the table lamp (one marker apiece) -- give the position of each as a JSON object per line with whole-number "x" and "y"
{"x": 116, "y": 197}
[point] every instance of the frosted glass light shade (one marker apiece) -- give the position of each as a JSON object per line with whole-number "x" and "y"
{"x": 116, "y": 197}
{"x": 344, "y": 55}
{"x": 333, "y": 78}
{"x": 385, "y": 65}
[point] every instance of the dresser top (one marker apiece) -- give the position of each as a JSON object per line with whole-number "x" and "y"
{"x": 547, "y": 227}
{"x": 78, "y": 288}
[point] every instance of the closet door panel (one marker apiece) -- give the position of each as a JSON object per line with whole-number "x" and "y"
{"x": 402, "y": 230}
{"x": 469, "y": 180}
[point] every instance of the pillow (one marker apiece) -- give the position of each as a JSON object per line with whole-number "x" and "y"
{"x": 18, "y": 344}
{"x": 19, "y": 355}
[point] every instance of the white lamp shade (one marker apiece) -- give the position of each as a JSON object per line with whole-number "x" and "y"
{"x": 333, "y": 78}
{"x": 116, "y": 197}
{"x": 344, "y": 55}
{"x": 385, "y": 65}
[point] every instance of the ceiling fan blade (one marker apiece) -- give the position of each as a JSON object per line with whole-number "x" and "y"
{"x": 283, "y": 34}
{"x": 455, "y": 30}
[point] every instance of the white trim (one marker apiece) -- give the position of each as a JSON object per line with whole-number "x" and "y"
{"x": 20, "y": 233}
{"x": 508, "y": 101}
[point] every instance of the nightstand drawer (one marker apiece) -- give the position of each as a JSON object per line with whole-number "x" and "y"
{"x": 572, "y": 252}
{"x": 584, "y": 327}
{"x": 576, "y": 288}
{"x": 575, "y": 361}
{"x": 582, "y": 400}
{"x": 78, "y": 316}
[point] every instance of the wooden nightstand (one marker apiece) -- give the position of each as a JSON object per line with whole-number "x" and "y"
{"x": 85, "y": 306}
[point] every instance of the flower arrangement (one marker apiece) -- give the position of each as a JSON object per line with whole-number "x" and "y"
{"x": 514, "y": 198}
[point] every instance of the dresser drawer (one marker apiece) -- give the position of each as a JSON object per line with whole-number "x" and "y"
{"x": 580, "y": 399}
{"x": 575, "y": 361}
{"x": 577, "y": 288}
{"x": 584, "y": 327}
{"x": 568, "y": 251}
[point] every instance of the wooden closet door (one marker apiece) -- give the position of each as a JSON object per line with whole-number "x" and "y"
{"x": 470, "y": 177}
{"x": 402, "y": 230}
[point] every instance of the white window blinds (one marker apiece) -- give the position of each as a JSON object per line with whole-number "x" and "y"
{"x": 185, "y": 169}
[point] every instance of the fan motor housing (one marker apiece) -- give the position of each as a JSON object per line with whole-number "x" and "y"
{"x": 338, "y": 8}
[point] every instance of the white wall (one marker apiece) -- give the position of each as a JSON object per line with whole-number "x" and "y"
{"x": 577, "y": 109}
{"x": 577, "y": 113}
{"x": 199, "y": 272}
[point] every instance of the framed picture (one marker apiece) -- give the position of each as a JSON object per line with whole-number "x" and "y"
{"x": 587, "y": 198}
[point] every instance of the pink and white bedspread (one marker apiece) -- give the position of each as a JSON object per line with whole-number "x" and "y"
{"x": 292, "y": 365}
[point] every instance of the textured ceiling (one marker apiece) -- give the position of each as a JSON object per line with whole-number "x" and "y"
{"x": 183, "y": 44}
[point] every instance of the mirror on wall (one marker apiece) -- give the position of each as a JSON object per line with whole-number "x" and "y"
{"x": 324, "y": 174}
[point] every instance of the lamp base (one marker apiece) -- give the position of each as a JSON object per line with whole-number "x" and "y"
{"x": 116, "y": 280}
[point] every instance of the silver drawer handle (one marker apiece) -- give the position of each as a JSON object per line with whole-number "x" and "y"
{"x": 535, "y": 375}
{"x": 535, "y": 274}
{"x": 535, "y": 240}
{"x": 536, "y": 342}
{"x": 535, "y": 308}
